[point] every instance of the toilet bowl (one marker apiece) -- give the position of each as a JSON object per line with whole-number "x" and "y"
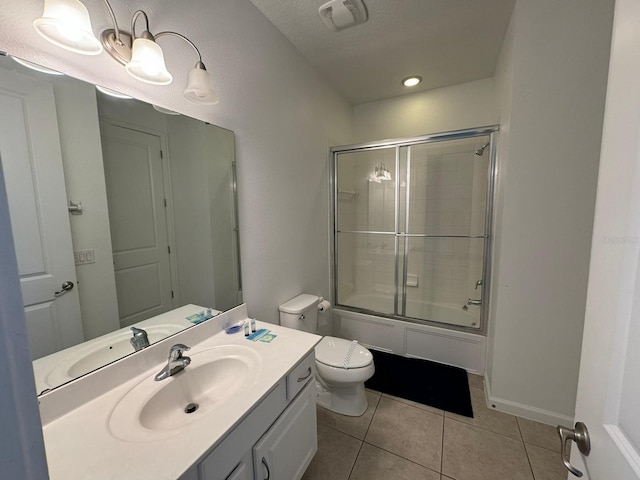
{"x": 342, "y": 366}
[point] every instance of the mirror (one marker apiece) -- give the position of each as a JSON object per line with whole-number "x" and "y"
{"x": 120, "y": 212}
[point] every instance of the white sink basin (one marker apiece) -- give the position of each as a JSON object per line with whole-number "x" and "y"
{"x": 104, "y": 350}
{"x": 159, "y": 409}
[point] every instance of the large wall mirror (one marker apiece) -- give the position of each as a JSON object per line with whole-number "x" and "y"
{"x": 120, "y": 211}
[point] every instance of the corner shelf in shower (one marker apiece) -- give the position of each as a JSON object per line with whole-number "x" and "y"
{"x": 346, "y": 194}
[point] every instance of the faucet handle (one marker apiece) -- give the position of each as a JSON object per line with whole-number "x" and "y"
{"x": 137, "y": 332}
{"x": 478, "y": 284}
{"x": 175, "y": 352}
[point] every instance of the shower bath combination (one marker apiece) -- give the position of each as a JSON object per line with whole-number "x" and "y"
{"x": 416, "y": 247}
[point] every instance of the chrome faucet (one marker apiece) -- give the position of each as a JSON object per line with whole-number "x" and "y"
{"x": 478, "y": 284}
{"x": 176, "y": 362}
{"x": 474, "y": 302}
{"x": 140, "y": 339}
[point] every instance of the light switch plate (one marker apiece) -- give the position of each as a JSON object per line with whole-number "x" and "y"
{"x": 84, "y": 257}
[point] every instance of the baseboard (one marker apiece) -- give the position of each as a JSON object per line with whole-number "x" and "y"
{"x": 525, "y": 411}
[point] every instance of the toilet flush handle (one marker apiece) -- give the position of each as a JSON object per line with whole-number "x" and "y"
{"x": 301, "y": 317}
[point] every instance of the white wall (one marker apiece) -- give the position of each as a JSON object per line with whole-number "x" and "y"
{"x": 466, "y": 105}
{"x": 84, "y": 180}
{"x": 552, "y": 82}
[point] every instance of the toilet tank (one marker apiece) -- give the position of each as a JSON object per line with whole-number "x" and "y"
{"x": 300, "y": 313}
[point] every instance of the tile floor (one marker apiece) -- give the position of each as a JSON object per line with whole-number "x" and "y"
{"x": 401, "y": 440}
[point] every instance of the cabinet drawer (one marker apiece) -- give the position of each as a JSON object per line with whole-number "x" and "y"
{"x": 300, "y": 375}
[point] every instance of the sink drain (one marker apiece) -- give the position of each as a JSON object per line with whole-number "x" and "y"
{"x": 192, "y": 407}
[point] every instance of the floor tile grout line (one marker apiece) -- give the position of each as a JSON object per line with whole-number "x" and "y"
{"x": 375, "y": 410}
{"x": 342, "y": 432}
{"x": 544, "y": 448}
{"x": 353, "y": 466}
{"x": 485, "y": 429}
{"x": 395, "y": 454}
{"x": 526, "y": 452}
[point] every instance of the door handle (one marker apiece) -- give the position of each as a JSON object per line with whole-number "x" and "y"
{"x": 64, "y": 288}
{"x": 578, "y": 434}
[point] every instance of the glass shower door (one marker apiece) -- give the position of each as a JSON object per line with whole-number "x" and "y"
{"x": 445, "y": 231}
{"x": 366, "y": 219}
{"x": 411, "y": 227}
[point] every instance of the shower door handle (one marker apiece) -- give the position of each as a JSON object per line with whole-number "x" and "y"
{"x": 474, "y": 302}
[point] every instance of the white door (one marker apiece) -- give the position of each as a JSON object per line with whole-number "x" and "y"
{"x": 609, "y": 387}
{"x": 32, "y": 163}
{"x": 137, "y": 214}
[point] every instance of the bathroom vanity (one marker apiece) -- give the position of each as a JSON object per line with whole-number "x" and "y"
{"x": 254, "y": 415}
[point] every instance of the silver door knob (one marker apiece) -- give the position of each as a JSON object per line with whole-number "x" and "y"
{"x": 578, "y": 434}
{"x": 64, "y": 288}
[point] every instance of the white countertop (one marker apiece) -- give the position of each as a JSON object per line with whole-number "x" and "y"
{"x": 79, "y": 444}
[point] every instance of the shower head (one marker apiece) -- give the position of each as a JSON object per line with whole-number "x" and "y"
{"x": 480, "y": 151}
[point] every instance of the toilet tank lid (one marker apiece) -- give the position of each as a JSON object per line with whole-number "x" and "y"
{"x": 300, "y": 303}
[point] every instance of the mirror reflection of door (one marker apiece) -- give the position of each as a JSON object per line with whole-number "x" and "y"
{"x": 137, "y": 203}
{"x": 34, "y": 177}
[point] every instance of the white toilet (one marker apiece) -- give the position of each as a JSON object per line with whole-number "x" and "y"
{"x": 342, "y": 366}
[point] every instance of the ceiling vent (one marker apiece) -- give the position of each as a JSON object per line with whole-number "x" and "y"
{"x": 340, "y": 14}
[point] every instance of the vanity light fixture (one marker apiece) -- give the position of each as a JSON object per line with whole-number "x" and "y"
{"x": 66, "y": 23}
{"x": 35, "y": 66}
{"x": 412, "y": 81}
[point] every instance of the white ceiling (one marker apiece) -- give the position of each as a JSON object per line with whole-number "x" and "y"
{"x": 445, "y": 41}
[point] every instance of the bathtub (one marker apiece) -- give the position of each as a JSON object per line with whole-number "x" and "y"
{"x": 438, "y": 343}
{"x": 436, "y": 312}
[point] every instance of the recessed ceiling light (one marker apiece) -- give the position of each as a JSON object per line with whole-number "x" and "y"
{"x": 412, "y": 81}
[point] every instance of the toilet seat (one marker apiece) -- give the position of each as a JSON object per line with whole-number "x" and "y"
{"x": 344, "y": 354}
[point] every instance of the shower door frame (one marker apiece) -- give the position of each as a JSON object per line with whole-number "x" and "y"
{"x": 492, "y": 131}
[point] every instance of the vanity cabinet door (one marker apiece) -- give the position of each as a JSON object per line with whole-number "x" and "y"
{"x": 244, "y": 469}
{"x": 285, "y": 451}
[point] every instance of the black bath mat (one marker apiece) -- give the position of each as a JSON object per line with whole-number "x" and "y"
{"x": 434, "y": 384}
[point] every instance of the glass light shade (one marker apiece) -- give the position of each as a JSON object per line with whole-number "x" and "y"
{"x": 66, "y": 23}
{"x": 200, "y": 87}
{"x": 147, "y": 63}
